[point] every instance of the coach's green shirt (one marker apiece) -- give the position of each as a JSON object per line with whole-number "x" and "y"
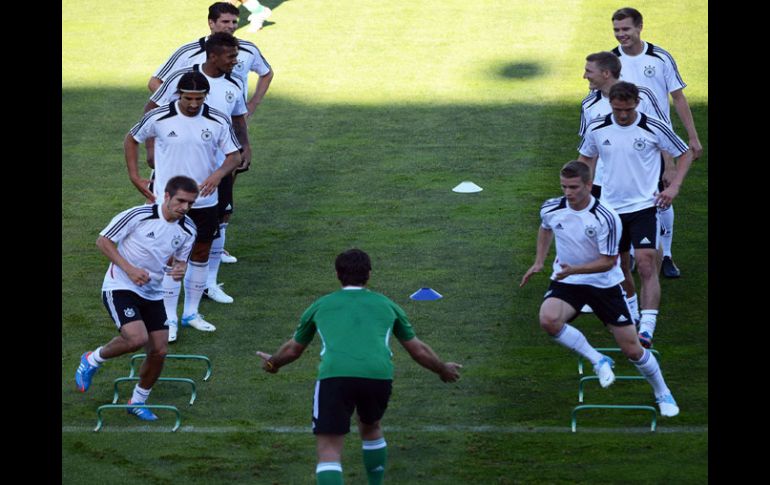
{"x": 355, "y": 328}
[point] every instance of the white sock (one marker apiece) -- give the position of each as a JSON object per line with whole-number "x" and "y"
{"x": 633, "y": 305}
{"x": 194, "y": 284}
{"x": 666, "y": 218}
{"x": 215, "y": 255}
{"x": 171, "y": 290}
{"x": 648, "y": 322}
{"x": 95, "y": 358}
{"x": 140, "y": 395}
{"x": 648, "y": 366}
{"x": 574, "y": 339}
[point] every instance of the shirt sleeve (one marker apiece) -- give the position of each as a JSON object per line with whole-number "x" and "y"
{"x": 587, "y": 146}
{"x": 227, "y": 141}
{"x": 610, "y": 229}
{"x": 259, "y": 64}
{"x": 402, "y": 328}
{"x": 307, "y": 328}
{"x": 167, "y": 91}
{"x": 124, "y": 223}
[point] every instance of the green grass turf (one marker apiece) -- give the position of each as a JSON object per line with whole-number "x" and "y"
{"x": 377, "y": 110}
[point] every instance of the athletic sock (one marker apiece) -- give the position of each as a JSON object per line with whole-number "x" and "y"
{"x": 95, "y": 358}
{"x": 215, "y": 256}
{"x": 667, "y": 225}
{"x": 171, "y": 290}
{"x": 375, "y": 457}
{"x": 194, "y": 284}
{"x": 574, "y": 339}
{"x": 648, "y": 366}
{"x": 140, "y": 395}
{"x": 328, "y": 473}
{"x": 649, "y": 321}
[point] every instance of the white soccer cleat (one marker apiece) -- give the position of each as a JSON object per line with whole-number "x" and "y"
{"x": 215, "y": 293}
{"x": 228, "y": 258}
{"x": 197, "y": 322}
{"x": 258, "y": 18}
{"x": 603, "y": 369}
{"x": 667, "y": 405}
{"x": 173, "y": 327}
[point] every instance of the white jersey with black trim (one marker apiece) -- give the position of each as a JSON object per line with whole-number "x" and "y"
{"x": 654, "y": 68}
{"x": 146, "y": 240}
{"x": 250, "y": 59}
{"x": 225, "y": 92}
{"x": 186, "y": 145}
{"x": 596, "y": 105}
{"x": 582, "y": 237}
{"x": 631, "y": 157}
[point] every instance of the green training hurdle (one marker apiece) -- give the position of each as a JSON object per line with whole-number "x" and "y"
{"x": 174, "y": 356}
{"x": 610, "y": 349}
{"x": 100, "y": 421}
{"x": 596, "y": 378}
{"x": 651, "y": 409}
{"x": 163, "y": 379}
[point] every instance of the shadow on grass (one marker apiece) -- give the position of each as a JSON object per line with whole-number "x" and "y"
{"x": 521, "y": 70}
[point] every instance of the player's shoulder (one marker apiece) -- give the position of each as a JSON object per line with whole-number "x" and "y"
{"x": 188, "y": 225}
{"x": 599, "y": 123}
{"x": 553, "y": 204}
{"x": 214, "y": 114}
{"x": 592, "y": 97}
{"x": 247, "y": 45}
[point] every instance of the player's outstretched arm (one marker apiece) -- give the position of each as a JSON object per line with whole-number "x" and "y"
{"x": 426, "y": 357}
{"x": 290, "y": 351}
{"x": 544, "y": 238}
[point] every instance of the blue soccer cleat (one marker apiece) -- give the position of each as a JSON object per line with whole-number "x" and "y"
{"x": 142, "y": 413}
{"x": 84, "y": 373}
{"x": 645, "y": 339}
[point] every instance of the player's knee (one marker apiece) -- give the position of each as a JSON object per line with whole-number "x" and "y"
{"x": 159, "y": 353}
{"x": 550, "y": 323}
{"x": 136, "y": 342}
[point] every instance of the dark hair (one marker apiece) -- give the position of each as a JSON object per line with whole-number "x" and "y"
{"x": 216, "y": 42}
{"x": 218, "y": 8}
{"x": 353, "y": 267}
{"x": 606, "y": 61}
{"x": 636, "y": 16}
{"x": 624, "y": 91}
{"x": 193, "y": 81}
{"x": 576, "y": 168}
{"x": 180, "y": 182}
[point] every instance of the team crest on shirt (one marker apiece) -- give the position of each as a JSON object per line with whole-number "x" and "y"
{"x": 206, "y": 135}
{"x": 229, "y": 97}
{"x": 129, "y": 313}
{"x": 176, "y": 242}
{"x": 238, "y": 67}
{"x": 649, "y": 71}
{"x": 639, "y": 144}
{"x": 590, "y": 231}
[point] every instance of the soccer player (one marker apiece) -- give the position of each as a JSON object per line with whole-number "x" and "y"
{"x": 630, "y": 143}
{"x": 602, "y": 70}
{"x": 187, "y": 134}
{"x": 356, "y": 372}
{"x": 649, "y": 65}
{"x": 139, "y": 242}
{"x": 585, "y": 271}
{"x": 225, "y": 95}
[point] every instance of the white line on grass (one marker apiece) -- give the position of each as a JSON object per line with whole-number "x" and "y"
{"x": 392, "y": 429}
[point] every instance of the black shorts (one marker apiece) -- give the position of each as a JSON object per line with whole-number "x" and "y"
{"x": 609, "y": 304}
{"x": 336, "y": 397}
{"x": 225, "y": 195}
{"x": 640, "y": 229}
{"x": 125, "y": 306}
{"x": 207, "y": 222}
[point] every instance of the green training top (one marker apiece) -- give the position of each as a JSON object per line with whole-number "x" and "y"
{"x": 355, "y": 328}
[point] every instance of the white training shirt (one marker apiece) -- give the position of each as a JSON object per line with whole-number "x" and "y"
{"x": 146, "y": 240}
{"x": 186, "y": 145}
{"x": 654, "y": 68}
{"x": 596, "y": 105}
{"x": 225, "y": 92}
{"x": 583, "y": 236}
{"x": 249, "y": 59}
{"x": 631, "y": 157}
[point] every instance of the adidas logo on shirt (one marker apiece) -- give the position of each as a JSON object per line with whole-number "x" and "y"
{"x": 607, "y": 142}
{"x": 173, "y": 133}
{"x": 150, "y": 235}
{"x": 559, "y": 226}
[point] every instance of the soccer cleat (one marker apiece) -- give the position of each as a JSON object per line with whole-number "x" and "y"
{"x": 669, "y": 269}
{"x": 216, "y": 294}
{"x": 258, "y": 17}
{"x": 228, "y": 258}
{"x": 142, "y": 413}
{"x": 84, "y": 373}
{"x": 586, "y": 309}
{"x": 667, "y": 405}
{"x": 603, "y": 369}
{"x": 173, "y": 328}
{"x": 645, "y": 339}
{"x": 197, "y": 322}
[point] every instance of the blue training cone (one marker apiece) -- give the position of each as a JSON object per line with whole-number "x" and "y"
{"x": 425, "y": 294}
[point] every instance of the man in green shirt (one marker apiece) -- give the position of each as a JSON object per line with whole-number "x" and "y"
{"x": 356, "y": 372}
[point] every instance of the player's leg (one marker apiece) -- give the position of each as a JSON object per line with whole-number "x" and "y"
{"x": 333, "y": 405}
{"x": 207, "y": 222}
{"x": 645, "y": 228}
{"x": 624, "y": 247}
{"x": 124, "y": 310}
{"x": 371, "y": 403}
{"x": 668, "y": 268}
{"x": 558, "y": 308}
{"x": 156, "y": 349}
{"x": 329, "y": 468}
{"x": 224, "y": 208}
{"x": 171, "y": 290}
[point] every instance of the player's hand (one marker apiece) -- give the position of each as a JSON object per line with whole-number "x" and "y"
{"x": 696, "y": 147}
{"x": 665, "y": 198}
{"x": 142, "y": 185}
{"x": 178, "y": 270}
{"x": 450, "y": 372}
{"x": 536, "y": 268}
{"x": 566, "y": 270}
{"x": 139, "y": 276}
{"x": 209, "y": 185}
{"x": 266, "y": 364}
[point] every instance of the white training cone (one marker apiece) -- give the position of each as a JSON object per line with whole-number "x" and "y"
{"x": 467, "y": 187}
